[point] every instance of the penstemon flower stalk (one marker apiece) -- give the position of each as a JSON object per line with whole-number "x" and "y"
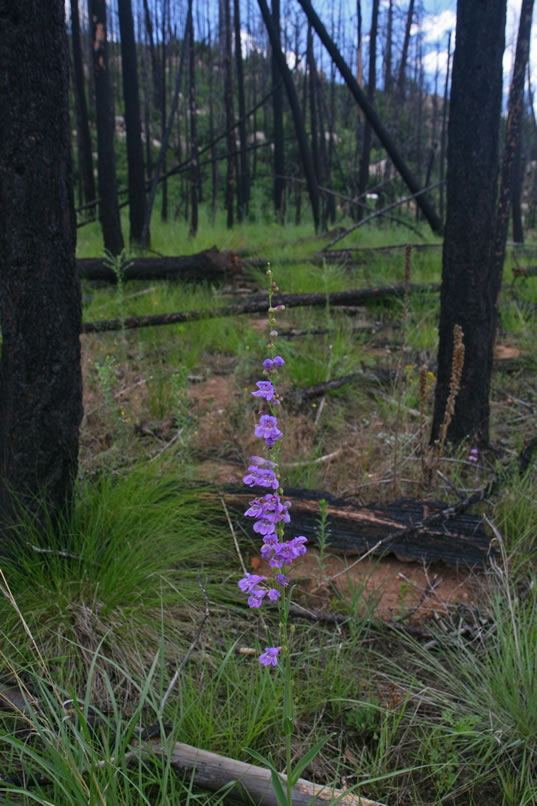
{"x": 271, "y": 514}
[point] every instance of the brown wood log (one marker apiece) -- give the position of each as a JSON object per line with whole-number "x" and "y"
{"x": 258, "y": 304}
{"x": 211, "y": 265}
{"x": 253, "y": 784}
{"x": 428, "y": 531}
{"x": 361, "y": 254}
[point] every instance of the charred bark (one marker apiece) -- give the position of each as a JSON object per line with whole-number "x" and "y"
{"x": 85, "y": 160}
{"x": 513, "y": 133}
{"x": 135, "y": 152}
{"x": 106, "y": 158}
{"x": 470, "y": 281}
{"x": 40, "y": 309}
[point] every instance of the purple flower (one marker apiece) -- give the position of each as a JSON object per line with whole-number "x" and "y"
{"x": 265, "y": 477}
{"x": 256, "y": 598}
{"x": 285, "y": 553}
{"x": 273, "y": 594}
{"x": 265, "y": 390}
{"x": 474, "y": 455}
{"x": 250, "y": 582}
{"x": 264, "y": 527}
{"x": 270, "y": 656}
{"x": 273, "y": 363}
{"x": 267, "y": 428}
{"x": 282, "y": 580}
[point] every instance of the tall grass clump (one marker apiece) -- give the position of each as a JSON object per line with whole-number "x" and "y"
{"x": 126, "y": 560}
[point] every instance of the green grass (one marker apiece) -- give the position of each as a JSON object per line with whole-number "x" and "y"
{"x": 109, "y": 603}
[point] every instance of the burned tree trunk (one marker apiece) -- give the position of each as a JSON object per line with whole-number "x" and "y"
{"x": 277, "y": 112}
{"x": 194, "y": 168}
{"x": 85, "y": 161}
{"x": 40, "y": 311}
{"x": 300, "y": 131}
{"x": 243, "y": 182}
{"x": 512, "y": 138}
{"x": 363, "y": 178}
{"x": 228, "y": 99}
{"x": 135, "y": 153}
{"x": 371, "y": 116}
{"x": 470, "y": 281}
{"x": 106, "y": 158}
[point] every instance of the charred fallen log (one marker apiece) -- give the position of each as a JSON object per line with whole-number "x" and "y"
{"x": 211, "y": 265}
{"x": 427, "y": 531}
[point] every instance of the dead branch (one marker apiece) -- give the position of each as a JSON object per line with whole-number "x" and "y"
{"x": 252, "y": 784}
{"x": 258, "y": 304}
{"x": 211, "y": 264}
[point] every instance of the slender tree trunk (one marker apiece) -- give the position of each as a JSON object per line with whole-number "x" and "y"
{"x": 512, "y": 135}
{"x": 518, "y": 176}
{"x": 166, "y": 137}
{"x": 194, "y": 166}
{"x": 106, "y": 159}
{"x": 443, "y": 136}
{"x": 363, "y": 178}
{"x": 214, "y": 167}
{"x": 155, "y": 66}
{"x": 312, "y": 74}
{"x": 135, "y": 152}
{"x": 285, "y": 73}
{"x": 40, "y": 306}
{"x": 85, "y": 160}
{"x": 164, "y": 183}
{"x": 147, "y": 112}
{"x": 228, "y": 100}
{"x": 388, "y": 51}
{"x": 404, "y": 55}
{"x": 470, "y": 281}
{"x": 277, "y": 111}
{"x": 243, "y": 181}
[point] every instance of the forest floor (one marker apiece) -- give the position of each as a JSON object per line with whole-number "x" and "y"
{"x": 409, "y": 660}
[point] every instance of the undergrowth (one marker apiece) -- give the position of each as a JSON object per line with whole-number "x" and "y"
{"x": 101, "y": 611}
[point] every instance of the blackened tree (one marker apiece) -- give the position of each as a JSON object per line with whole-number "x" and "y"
{"x": 277, "y": 115}
{"x": 470, "y": 282}
{"x": 40, "y": 308}
{"x": 363, "y": 178}
{"x": 135, "y": 152}
{"x": 104, "y": 107}
{"x": 85, "y": 161}
{"x": 513, "y": 133}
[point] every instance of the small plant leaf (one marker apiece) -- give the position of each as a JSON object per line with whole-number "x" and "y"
{"x": 288, "y": 726}
{"x": 278, "y": 789}
{"x": 265, "y": 761}
{"x": 310, "y": 755}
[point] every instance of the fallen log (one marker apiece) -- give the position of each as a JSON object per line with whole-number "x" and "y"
{"x": 210, "y": 265}
{"x": 360, "y": 254}
{"x": 423, "y": 531}
{"x": 258, "y": 304}
{"x": 377, "y": 374}
{"x": 252, "y": 783}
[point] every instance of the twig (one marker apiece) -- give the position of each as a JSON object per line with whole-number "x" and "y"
{"x": 319, "y": 460}
{"x": 233, "y": 535}
{"x": 189, "y": 650}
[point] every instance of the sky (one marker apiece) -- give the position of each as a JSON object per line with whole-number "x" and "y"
{"x": 440, "y": 18}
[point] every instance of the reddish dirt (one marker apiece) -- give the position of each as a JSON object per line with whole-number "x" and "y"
{"x": 387, "y": 588}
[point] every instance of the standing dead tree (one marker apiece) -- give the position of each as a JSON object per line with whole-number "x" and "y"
{"x": 372, "y": 117}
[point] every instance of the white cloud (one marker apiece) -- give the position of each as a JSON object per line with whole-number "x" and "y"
{"x": 436, "y": 26}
